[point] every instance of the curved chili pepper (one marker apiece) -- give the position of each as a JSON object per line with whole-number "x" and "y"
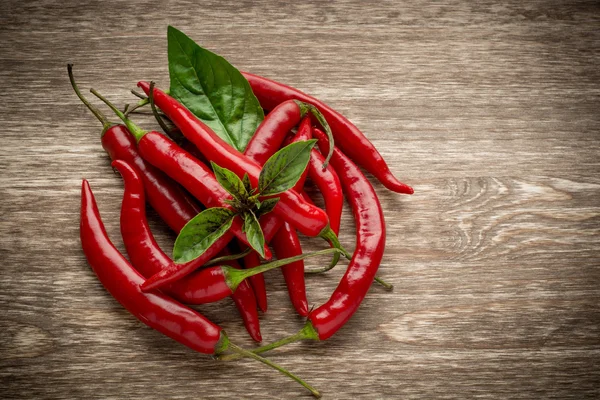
{"x": 148, "y": 258}
{"x": 192, "y": 175}
{"x": 327, "y": 319}
{"x": 347, "y": 136}
{"x": 173, "y": 205}
{"x": 156, "y": 310}
{"x": 272, "y": 131}
{"x": 291, "y": 207}
{"x": 265, "y": 142}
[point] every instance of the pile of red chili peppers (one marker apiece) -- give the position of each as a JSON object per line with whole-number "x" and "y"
{"x": 178, "y": 182}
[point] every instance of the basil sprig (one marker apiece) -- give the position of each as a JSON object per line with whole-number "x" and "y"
{"x": 279, "y": 174}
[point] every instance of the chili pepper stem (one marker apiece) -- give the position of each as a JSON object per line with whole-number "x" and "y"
{"x": 308, "y": 332}
{"x": 106, "y": 124}
{"x": 135, "y": 130}
{"x": 387, "y": 286}
{"x": 235, "y": 277}
{"x": 160, "y": 121}
{"x": 246, "y": 353}
{"x": 307, "y": 107}
{"x": 328, "y": 234}
{"x": 231, "y": 257}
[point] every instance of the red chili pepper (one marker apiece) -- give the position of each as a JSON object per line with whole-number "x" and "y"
{"x": 370, "y": 243}
{"x": 327, "y": 181}
{"x": 148, "y": 258}
{"x": 172, "y": 204}
{"x": 178, "y": 164}
{"x": 291, "y": 207}
{"x": 347, "y": 136}
{"x": 265, "y": 142}
{"x": 272, "y": 131}
{"x": 252, "y": 260}
{"x": 156, "y": 310}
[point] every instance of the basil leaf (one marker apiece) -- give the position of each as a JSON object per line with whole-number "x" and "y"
{"x": 246, "y": 182}
{"x": 284, "y": 168}
{"x": 266, "y": 206}
{"x": 213, "y": 90}
{"x": 201, "y": 232}
{"x": 254, "y": 233}
{"x": 230, "y": 182}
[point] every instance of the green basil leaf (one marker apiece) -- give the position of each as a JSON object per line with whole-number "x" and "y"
{"x": 254, "y": 233}
{"x": 246, "y": 182}
{"x": 213, "y": 90}
{"x": 230, "y": 182}
{"x": 284, "y": 168}
{"x": 201, "y": 232}
{"x": 266, "y": 206}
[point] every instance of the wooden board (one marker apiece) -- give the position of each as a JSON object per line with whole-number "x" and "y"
{"x": 489, "y": 109}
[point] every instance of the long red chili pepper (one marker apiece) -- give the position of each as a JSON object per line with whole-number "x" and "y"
{"x": 264, "y": 143}
{"x": 196, "y": 178}
{"x": 291, "y": 207}
{"x": 326, "y": 180}
{"x": 156, "y": 310}
{"x": 172, "y": 204}
{"x": 323, "y": 322}
{"x": 148, "y": 258}
{"x": 347, "y": 136}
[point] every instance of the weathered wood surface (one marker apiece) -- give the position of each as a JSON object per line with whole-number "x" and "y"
{"x": 491, "y": 111}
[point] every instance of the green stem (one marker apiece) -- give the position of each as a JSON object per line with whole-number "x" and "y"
{"x": 231, "y": 257}
{"x": 246, "y": 353}
{"x": 307, "y": 107}
{"x": 140, "y": 95}
{"x": 328, "y": 234}
{"x": 387, "y": 286}
{"x": 140, "y": 103}
{"x": 235, "y": 277}
{"x": 106, "y": 124}
{"x": 160, "y": 121}
{"x": 135, "y": 130}
{"x": 308, "y": 332}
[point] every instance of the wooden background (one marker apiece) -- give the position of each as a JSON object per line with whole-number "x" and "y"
{"x": 489, "y": 109}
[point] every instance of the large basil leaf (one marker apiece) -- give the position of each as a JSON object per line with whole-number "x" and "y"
{"x": 213, "y": 90}
{"x": 284, "y": 168}
{"x": 201, "y": 232}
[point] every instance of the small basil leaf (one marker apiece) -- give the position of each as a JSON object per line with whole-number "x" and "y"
{"x": 201, "y": 232}
{"x": 267, "y": 206}
{"x": 254, "y": 233}
{"x": 246, "y": 182}
{"x": 284, "y": 168}
{"x": 230, "y": 182}
{"x": 213, "y": 90}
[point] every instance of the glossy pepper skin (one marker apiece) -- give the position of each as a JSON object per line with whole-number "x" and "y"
{"x": 328, "y": 182}
{"x": 347, "y": 136}
{"x": 292, "y": 208}
{"x": 286, "y": 243}
{"x": 370, "y": 244}
{"x": 205, "y": 286}
{"x": 264, "y": 143}
{"x": 272, "y": 131}
{"x": 200, "y": 182}
{"x": 156, "y": 310}
{"x": 172, "y": 204}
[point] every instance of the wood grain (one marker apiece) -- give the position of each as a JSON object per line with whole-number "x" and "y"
{"x": 489, "y": 109}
